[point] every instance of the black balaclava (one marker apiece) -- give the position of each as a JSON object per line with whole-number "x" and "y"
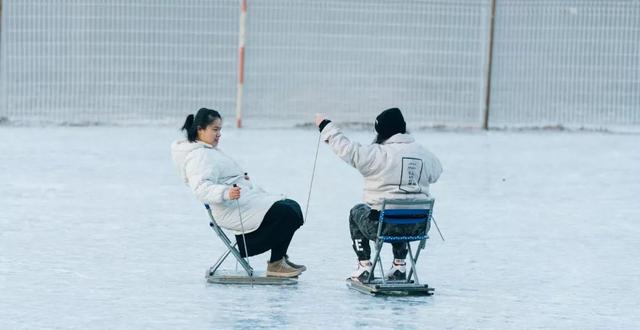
{"x": 389, "y": 123}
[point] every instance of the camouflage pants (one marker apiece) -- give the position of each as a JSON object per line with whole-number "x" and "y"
{"x": 363, "y": 224}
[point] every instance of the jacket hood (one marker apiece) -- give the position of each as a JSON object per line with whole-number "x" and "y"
{"x": 400, "y": 138}
{"x": 181, "y": 149}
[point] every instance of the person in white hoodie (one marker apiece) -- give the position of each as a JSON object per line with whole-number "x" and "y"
{"x": 395, "y": 166}
{"x": 267, "y": 221}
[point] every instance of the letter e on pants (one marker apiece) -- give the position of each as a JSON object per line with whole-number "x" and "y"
{"x": 358, "y": 244}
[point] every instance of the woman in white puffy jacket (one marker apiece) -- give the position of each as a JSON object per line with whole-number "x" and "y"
{"x": 395, "y": 166}
{"x": 269, "y": 221}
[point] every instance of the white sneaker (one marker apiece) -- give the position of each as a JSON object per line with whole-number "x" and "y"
{"x": 363, "y": 271}
{"x": 397, "y": 272}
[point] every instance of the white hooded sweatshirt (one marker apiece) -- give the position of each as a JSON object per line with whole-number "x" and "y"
{"x": 210, "y": 173}
{"x": 399, "y": 168}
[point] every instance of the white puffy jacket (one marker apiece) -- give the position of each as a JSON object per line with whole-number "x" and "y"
{"x": 209, "y": 173}
{"x": 399, "y": 168}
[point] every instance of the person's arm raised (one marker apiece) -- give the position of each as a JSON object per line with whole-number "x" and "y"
{"x": 363, "y": 158}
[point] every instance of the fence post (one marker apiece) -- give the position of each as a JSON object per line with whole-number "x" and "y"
{"x": 241, "y": 38}
{"x": 1, "y": 82}
{"x": 0, "y": 21}
{"x": 0, "y": 27}
{"x": 487, "y": 92}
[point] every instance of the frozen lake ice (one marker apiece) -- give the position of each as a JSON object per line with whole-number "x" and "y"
{"x": 97, "y": 231}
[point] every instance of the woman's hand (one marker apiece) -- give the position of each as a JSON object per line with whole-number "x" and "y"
{"x": 234, "y": 192}
{"x": 319, "y": 118}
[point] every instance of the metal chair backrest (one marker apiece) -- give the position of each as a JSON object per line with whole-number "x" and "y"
{"x": 407, "y": 214}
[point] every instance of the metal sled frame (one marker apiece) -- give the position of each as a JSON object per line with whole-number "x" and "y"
{"x": 248, "y": 276}
{"x": 412, "y": 212}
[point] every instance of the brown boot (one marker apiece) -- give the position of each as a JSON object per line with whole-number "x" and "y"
{"x": 280, "y": 268}
{"x": 301, "y": 268}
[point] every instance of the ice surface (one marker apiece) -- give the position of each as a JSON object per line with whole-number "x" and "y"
{"x": 96, "y": 231}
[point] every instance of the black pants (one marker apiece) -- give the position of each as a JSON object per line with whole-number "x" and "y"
{"x": 275, "y": 232}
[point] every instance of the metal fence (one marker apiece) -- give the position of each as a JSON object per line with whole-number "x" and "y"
{"x": 117, "y": 61}
{"x": 574, "y": 63}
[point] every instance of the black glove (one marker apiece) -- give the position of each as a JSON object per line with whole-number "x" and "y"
{"x": 323, "y": 124}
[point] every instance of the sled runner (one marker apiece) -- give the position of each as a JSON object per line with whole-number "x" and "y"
{"x": 399, "y": 213}
{"x": 248, "y": 276}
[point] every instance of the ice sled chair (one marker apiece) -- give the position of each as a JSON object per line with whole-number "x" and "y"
{"x": 248, "y": 276}
{"x": 402, "y": 214}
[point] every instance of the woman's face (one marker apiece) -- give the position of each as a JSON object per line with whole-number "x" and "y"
{"x": 211, "y": 134}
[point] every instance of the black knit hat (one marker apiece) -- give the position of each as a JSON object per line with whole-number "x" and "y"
{"x": 389, "y": 123}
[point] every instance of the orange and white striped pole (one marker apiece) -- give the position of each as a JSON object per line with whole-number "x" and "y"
{"x": 243, "y": 19}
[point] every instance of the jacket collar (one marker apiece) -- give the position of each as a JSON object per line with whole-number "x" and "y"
{"x": 400, "y": 138}
{"x": 204, "y": 144}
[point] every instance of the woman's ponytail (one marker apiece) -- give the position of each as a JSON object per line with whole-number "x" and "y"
{"x": 190, "y": 128}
